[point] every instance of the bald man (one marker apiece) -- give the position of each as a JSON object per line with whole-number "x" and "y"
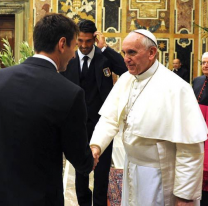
{"x": 161, "y": 127}
{"x": 179, "y": 70}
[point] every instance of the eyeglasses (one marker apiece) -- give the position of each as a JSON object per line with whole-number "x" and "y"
{"x": 204, "y": 63}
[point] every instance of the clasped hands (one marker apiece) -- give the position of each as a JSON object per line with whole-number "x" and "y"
{"x": 96, "y": 154}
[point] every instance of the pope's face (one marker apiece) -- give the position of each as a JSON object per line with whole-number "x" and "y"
{"x": 137, "y": 57}
{"x": 205, "y": 66}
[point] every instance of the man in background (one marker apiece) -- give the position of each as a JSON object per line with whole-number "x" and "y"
{"x": 200, "y": 86}
{"x": 161, "y": 126}
{"x": 179, "y": 70}
{"x": 42, "y": 116}
{"x": 92, "y": 70}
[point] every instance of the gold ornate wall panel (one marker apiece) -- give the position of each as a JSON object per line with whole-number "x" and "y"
{"x": 151, "y": 15}
{"x": 184, "y": 16}
{"x": 204, "y": 23}
{"x": 78, "y": 9}
{"x": 114, "y": 43}
{"x": 170, "y": 20}
{"x": 203, "y": 33}
{"x": 111, "y": 12}
{"x": 41, "y": 8}
{"x": 163, "y": 51}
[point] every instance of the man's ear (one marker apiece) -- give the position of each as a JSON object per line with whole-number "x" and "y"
{"x": 62, "y": 44}
{"x": 153, "y": 52}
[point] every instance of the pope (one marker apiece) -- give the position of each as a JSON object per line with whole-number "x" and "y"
{"x": 162, "y": 128}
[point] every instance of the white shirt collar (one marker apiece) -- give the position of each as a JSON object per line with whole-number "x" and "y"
{"x": 90, "y": 55}
{"x": 148, "y": 73}
{"x": 46, "y": 58}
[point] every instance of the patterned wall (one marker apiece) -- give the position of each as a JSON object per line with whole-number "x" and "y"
{"x": 151, "y": 15}
{"x": 204, "y": 32}
{"x": 77, "y": 9}
{"x": 172, "y": 22}
{"x": 41, "y": 8}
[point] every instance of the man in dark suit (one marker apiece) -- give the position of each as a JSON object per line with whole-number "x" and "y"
{"x": 94, "y": 75}
{"x": 179, "y": 70}
{"x": 42, "y": 116}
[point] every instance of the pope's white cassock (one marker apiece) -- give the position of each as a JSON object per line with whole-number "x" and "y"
{"x": 163, "y": 137}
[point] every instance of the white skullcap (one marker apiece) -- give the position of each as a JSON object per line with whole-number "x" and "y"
{"x": 205, "y": 55}
{"x": 148, "y": 34}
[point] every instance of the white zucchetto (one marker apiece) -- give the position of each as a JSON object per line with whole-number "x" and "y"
{"x": 148, "y": 34}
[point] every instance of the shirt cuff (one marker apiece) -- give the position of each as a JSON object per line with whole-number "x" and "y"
{"x": 103, "y": 49}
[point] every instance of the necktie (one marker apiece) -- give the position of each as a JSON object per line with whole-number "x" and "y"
{"x": 84, "y": 67}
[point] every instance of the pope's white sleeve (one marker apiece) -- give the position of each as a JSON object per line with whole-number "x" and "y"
{"x": 189, "y": 170}
{"x": 104, "y": 132}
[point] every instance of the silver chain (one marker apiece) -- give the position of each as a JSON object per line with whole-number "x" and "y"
{"x": 125, "y": 120}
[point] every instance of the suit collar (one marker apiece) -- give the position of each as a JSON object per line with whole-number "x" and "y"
{"x": 46, "y": 58}
{"x": 39, "y": 62}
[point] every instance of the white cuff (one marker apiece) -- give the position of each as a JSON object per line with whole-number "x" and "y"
{"x": 103, "y": 49}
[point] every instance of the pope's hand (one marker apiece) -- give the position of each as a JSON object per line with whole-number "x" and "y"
{"x": 95, "y": 154}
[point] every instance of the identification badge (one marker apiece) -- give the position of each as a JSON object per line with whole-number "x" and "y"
{"x": 107, "y": 72}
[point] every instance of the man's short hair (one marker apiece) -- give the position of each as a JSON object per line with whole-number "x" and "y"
{"x": 49, "y": 29}
{"x": 87, "y": 26}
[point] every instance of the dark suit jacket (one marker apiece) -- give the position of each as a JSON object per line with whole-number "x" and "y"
{"x": 198, "y": 83}
{"x": 183, "y": 73}
{"x": 42, "y": 114}
{"x": 107, "y": 59}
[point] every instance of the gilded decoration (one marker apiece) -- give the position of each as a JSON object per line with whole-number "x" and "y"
{"x": 78, "y": 9}
{"x": 7, "y": 7}
{"x": 204, "y": 34}
{"x": 184, "y": 15}
{"x": 41, "y": 7}
{"x": 148, "y": 9}
{"x": 114, "y": 43}
{"x": 151, "y": 15}
{"x": 204, "y": 14}
{"x": 170, "y": 20}
{"x": 112, "y": 15}
{"x": 163, "y": 51}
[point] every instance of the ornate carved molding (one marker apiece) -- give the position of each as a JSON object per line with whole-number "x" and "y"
{"x": 12, "y": 6}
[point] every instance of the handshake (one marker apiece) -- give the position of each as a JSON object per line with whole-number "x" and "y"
{"x": 96, "y": 151}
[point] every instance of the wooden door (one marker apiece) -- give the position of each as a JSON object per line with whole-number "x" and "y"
{"x": 7, "y": 29}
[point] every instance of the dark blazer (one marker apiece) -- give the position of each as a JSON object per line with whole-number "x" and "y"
{"x": 104, "y": 63}
{"x": 107, "y": 59}
{"x": 183, "y": 73}
{"x": 198, "y": 83}
{"x": 42, "y": 115}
